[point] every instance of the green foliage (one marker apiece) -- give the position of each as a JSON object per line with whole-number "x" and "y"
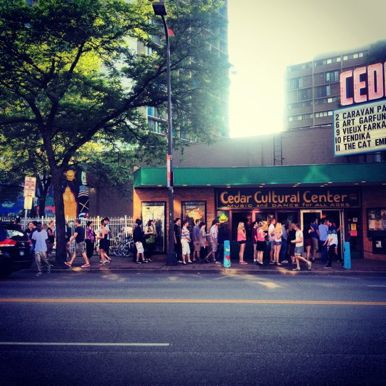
{"x": 70, "y": 73}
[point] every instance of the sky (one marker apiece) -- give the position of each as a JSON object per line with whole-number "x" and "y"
{"x": 265, "y": 36}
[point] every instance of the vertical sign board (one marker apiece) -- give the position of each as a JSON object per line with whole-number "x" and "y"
{"x": 360, "y": 129}
{"x": 29, "y": 191}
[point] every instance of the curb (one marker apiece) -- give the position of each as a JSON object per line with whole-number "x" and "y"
{"x": 233, "y": 271}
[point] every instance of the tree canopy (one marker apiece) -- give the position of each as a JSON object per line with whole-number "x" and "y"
{"x": 80, "y": 71}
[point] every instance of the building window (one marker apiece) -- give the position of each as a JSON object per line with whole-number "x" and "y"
{"x": 338, "y": 59}
{"x": 345, "y": 57}
{"x": 360, "y": 54}
{"x": 305, "y": 94}
{"x": 355, "y": 56}
{"x": 323, "y": 91}
{"x": 332, "y": 76}
{"x": 328, "y": 61}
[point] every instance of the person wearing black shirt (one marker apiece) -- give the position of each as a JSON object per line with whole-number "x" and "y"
{"x": 138, "y": 237}
{"x": 177, "y": 239}
{"x": 80, "y": 245}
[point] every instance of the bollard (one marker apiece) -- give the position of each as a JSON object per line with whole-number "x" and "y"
{"x": 346, "y": 255}
{"x": 227, "y": 254}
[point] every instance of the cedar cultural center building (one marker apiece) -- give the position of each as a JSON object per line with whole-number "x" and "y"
{"x": 336, "y": 171}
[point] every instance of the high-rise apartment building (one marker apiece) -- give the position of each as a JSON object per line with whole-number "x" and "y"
{"x": 215, "y": 96}
{"x": 313, "y": 90}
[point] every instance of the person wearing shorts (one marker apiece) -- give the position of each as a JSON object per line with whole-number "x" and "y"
{"x": 196, "y": 241}
{"x": 80, "y": 245}
{"x": 185, "y": 241}
{"x": 260, "y": 243}
{"x": 299, "y": 249}
{"x": 241, "y": 239}
{"x": 138, "y": 237}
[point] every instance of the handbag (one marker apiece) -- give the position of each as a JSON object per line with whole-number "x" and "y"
{"x": 150, "y": 239}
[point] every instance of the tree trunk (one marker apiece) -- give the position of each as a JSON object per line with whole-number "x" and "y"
{"x": 57, "y": 176}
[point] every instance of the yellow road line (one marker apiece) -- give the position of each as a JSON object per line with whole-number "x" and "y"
{"x": 196, "y": 301}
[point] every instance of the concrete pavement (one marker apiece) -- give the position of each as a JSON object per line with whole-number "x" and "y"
{"x": 359, "y": 266}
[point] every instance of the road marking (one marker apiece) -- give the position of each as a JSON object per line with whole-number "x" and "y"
{"x": 85, "y": 344}
{"x": 195, "y": 301}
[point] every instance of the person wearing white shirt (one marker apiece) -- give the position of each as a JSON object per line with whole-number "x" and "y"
{"x": 299, "y": 249}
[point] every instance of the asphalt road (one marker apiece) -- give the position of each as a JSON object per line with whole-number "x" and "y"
{"x": 185, "y": 329}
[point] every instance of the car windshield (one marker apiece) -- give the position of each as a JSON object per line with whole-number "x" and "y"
{"x": 14, "y": 234}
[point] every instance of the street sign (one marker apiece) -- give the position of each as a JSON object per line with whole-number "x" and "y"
{"x": 29, "y": 186}
{"x": 28, "y": 202}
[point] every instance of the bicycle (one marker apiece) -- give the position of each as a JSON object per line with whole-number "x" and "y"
{"x": 123, "y": 247}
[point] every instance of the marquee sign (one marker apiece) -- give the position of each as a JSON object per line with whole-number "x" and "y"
{"x": 360, "y": 129}
{"x": 287, "y": 198}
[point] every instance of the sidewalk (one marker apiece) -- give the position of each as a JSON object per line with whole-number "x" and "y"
{"x": 359, "y": 266}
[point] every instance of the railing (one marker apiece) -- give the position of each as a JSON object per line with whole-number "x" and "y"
{"x": 120, "y": 227}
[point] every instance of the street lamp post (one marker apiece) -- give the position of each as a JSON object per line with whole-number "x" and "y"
{"x": 160, "y": 10}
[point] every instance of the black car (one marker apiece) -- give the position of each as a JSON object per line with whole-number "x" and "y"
{"x": 15, "y": 249}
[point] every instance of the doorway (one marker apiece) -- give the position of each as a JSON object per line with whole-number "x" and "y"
{"x": 308, "y": 216}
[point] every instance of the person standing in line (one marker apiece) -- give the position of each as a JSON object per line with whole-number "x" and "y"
{"x": 177, "y": 239}
{"x": 322, "y": 234}
{"x": 51, "y": 238}
{"x": 271, "y": 239}
{"x": 299, "y": 249}
{"x": 260, "y": 243}
{"x": 213, "y": 239}
{"x": 102, "y": 236}
{"x": 241, "y": 239}
{"x": 308, "y": 242}
{"x": 150, "y": 239}
{"x": 254, "y": 240}
{"x": 185, "y": 243}
{"x": 106, "y": 222}
{"x": 196, "y": 241}
{"x": 314, "y": 239}
{"x": 203, "y": 241}
{"x": 277, "y": 243}
{"x": 291, "y": 238}
{"x": 331, "y": 244}
{"x": 40, "y": 238}
{"x": 80, "y": 245}
{"x": 223, "y": 234}
{"x": 284, "y": 244}
{"x": 90, "y": 240}
{"x": 138, "y": 237}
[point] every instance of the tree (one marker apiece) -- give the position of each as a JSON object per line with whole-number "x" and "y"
{"x": 70, "y": 76}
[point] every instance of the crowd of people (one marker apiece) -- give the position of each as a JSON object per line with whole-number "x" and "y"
{"x": 272, "y": 242}
{"x": 278, "y": 243}
{"x": 83, "y": 242}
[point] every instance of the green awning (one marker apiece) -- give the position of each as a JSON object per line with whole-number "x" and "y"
{"x": 346, "y": 174}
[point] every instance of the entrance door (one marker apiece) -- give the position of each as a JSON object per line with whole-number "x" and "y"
{"x": 308, "y": 216}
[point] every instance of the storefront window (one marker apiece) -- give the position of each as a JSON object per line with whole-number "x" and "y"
{"x": 194, "y": 210}
{"x": 156, "y": 211}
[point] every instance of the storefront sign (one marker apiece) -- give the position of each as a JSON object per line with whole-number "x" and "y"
{"x": 360, "y": 129}
{"x": 287, "y": 198}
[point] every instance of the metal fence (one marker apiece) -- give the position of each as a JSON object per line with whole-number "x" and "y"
{"x": 120, "y": 227}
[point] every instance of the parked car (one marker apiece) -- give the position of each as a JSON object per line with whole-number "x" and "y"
{"x": 15, "y": 249}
